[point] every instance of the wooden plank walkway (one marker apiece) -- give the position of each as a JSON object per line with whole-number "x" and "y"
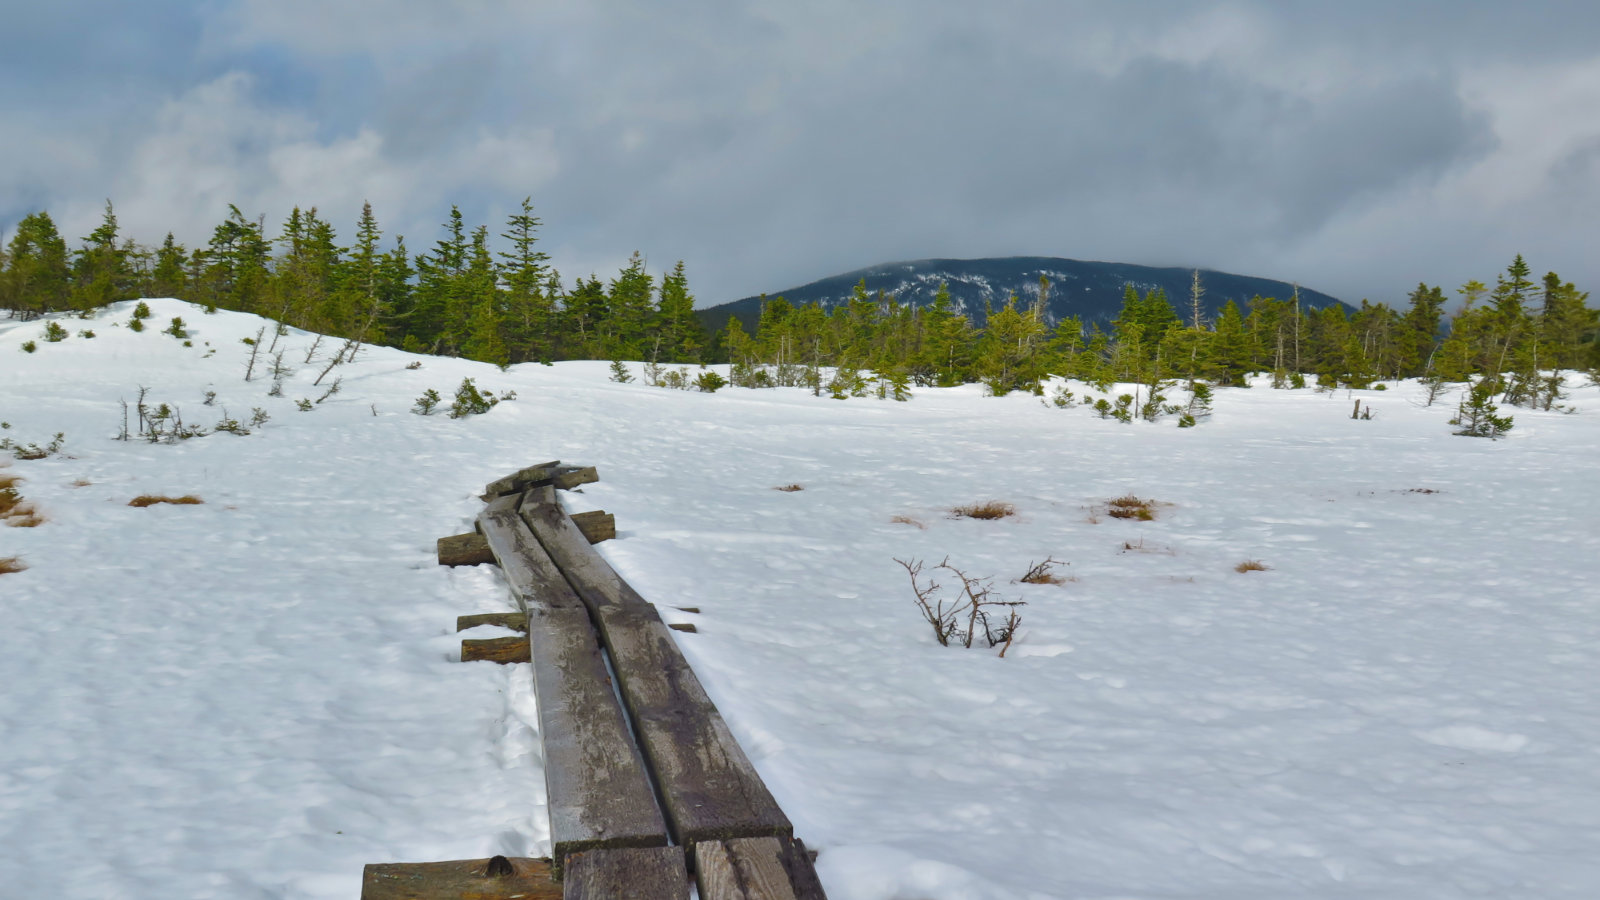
{"x": 647, "y": 787}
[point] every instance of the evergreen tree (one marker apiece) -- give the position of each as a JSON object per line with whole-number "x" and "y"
{"x": 36, "y": 278}
{"x": 680, "y": 334}
{"x": 530, "y": 309}
{"x": 101, "y": 271}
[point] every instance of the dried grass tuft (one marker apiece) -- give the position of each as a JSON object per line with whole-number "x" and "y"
{"x": 907, "y": 520}
{"x": 1131, "y": 507}
{"x": 144, "y": 500}
{"x": 790, "y": 488}
{"x": 10, "y": 564}
{"x": 81, "y": 482}
{"x": 1251, "y": 565}
{"x": 994, "y": 509}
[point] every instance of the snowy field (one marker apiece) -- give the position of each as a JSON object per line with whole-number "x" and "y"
{"x": 255, "y": 696}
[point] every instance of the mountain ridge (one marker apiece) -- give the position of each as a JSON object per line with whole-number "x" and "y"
{"x": 1091, "y": 290}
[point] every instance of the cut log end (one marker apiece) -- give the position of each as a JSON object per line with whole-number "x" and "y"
{"x": 596, "y": 526}
{"x": 685, "y": 627}
{"x": 500, "y": 878}
{"x": 470, "y": 549}
{"x": 498, "y": 650}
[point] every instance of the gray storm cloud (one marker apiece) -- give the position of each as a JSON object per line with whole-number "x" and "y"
{"x": 1357, "y": 148}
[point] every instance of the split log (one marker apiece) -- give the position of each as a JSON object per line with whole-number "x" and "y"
{"x": 596, "y": 526}
{"x": 513, "y": 620}
{"x": 708, "y": 787}
{"x": 563, "y": 477}
{"x": 503, "y": 650}
{"x": 464, "y": 550}
{"x": 529, "y": 879}
{"x": 657, "y": 873}
{"x": 742, "y": 869}
{"x": 599, "y": 794}
{"x": 571, "y": 477}
{"x": 518, "y": 481}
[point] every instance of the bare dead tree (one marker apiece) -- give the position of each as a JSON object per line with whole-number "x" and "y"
{"x": 255, "y": 349}
{"x": 960, "y": 618}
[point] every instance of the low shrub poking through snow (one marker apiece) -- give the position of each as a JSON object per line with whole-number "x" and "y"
{"x": 1251, "y": 565}
{"x": 144, "y": 500}
{"x": 994, "y": 509}
{"x": 965, "y": 617}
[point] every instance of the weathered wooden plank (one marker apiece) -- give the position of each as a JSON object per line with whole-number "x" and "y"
{"x": 742, "y": 869}
{"x": 501, "y": 650}
{"x": 570, "y": 477}
{"x": 599, "y": 794}
{"x": 657, "y": 873}
{"x": 513, "y": 620}
{"x": 529, "y": 879}
{"x": 707, "y": 784}
{"x": 533, "y": 579}
{"x": 464, "y": 550}
{"x": 802, "y": 869}
{"x": 517, "y": 481}
{"x": 685, "y": 627}
{"x": 596, "y": 526}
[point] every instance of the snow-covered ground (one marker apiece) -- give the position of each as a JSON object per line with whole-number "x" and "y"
{"x": 253, "y": 697}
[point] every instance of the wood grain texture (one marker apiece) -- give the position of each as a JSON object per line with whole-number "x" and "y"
{"x": 569, "y": 477}
{"x": 707, "y": 784}
{"x": 503, "y": 650}
{"x": 464, "y": 550}
{"x": 742, "y": 869}
{"x": 461, "y": 879}
{"x": 598, "y": 792}
{"x": 633, "y": 874}
{"x": 802, "y": 869}
{"x": 596, "y": 526}
{"x": 518, "y": 481}
{"x": 533, "y": 578}
{"x": 513, "y": 620}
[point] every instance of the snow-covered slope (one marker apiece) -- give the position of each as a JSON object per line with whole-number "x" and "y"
{"x": 253, "y": 697}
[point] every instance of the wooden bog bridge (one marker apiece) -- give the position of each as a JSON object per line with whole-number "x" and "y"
{"x": 646, "y": 786}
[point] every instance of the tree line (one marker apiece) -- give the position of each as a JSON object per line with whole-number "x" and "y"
{"x": 461, "y": 298}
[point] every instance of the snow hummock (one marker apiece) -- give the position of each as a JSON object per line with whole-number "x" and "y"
{"x": 253, "y": 697}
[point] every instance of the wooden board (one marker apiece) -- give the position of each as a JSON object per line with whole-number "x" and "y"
{"x": 742, "y": 869}
{"x": 802, "y": 869}
{"x": 513, "y": 620}
{"x": 462, "y": 879}
{"x": 517, "y": 481}
{"x": 707, "y": 784}
{"x": 653, "y": 874}
{"x": 597, "y": 526}
{"x": 464, "y": 550}
{"x": 501, "y": 650}
{"x": 599, "y": 794}
{"x": 569, "y": 477}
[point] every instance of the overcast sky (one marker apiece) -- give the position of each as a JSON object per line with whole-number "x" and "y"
{"x": 1358, "y": 147}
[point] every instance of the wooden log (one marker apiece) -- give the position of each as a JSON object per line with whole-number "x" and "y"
{"x": 514, "y": 620}
{"x": 685, "y": 627}
{"x": 529, "y": 879}
{"x": 571, "y": 477}
{"x": 517, "y": 481}
{"x": 596, "y": 526}
{"x": 501, "y": 650}
{"x": 707, "y": 784}
{"x": 464, "y": 550}
{"x": 598, "y": 792}
{"x": 742, "y": 869}
{"x": 632, "y": 874}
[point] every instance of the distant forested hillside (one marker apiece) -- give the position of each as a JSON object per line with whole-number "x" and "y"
{"x": 1089, "y": 291}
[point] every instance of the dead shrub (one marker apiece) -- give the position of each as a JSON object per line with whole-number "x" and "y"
{"x": 1131, "y": 507}
{"x": 790, "y": 488}
{"x": 144, "y": 500}
{"x": 1251, "y": 565}
{"x": 10, "y": 564}
{"x": 1040, "y": 573}
{"x": 962, "y": 618}
{"x": 994, "y": 509}
{"x": 907, "y": 520}
{"x": 81, "y": 482}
